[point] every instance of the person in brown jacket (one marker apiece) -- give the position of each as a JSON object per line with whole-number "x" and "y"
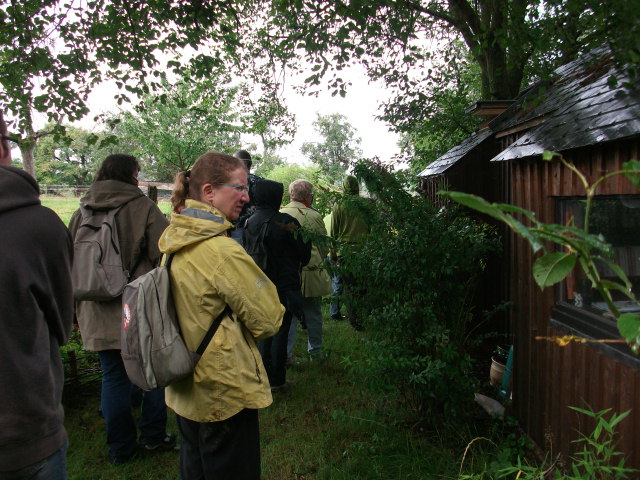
{"x": 140, "y": 224}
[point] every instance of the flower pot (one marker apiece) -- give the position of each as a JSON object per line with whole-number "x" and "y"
{"x": 496, "y": 372}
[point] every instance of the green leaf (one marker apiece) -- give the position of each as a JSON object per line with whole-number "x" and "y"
{"x": 476, "y": 203}
{"x": 629, "y": 327}
{"x": 634, "y": 167}
{"x": 610, "y": 285}
{"x": 553, "y": 268}
{"x": 524, "y": 232}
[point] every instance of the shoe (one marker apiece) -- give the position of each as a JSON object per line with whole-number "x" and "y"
{"x": 120, "y": 460}
{"x": 339, "y": 316}
{"x": 281, "y": 388}
{"x": 167, "y": 444}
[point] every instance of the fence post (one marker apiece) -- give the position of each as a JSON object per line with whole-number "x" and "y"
{"x": 152, "y": 192}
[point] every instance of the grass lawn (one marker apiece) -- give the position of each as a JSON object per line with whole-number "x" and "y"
{"x": 325, "y": 427}
{"x": 65, "y": 206}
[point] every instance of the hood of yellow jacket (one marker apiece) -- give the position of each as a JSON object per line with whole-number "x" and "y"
{"x": 195, "y": 223}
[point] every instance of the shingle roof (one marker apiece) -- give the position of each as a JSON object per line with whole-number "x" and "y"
{"x": 576, "y": 108}
{"x": 455, "y": 154}
{"x": 579, "y": 108}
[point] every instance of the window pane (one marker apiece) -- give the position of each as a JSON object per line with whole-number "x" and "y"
{"x": 617, "y": 219}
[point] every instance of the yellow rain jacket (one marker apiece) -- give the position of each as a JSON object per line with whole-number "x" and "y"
{"x": 208, "y": 272}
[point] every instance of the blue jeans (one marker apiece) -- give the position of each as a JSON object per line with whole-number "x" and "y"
{"x": 54, "y": 467}
{"x": 336, "y": 283}
{"x": 311, "y": 308}
{"x": 116, "y": 405}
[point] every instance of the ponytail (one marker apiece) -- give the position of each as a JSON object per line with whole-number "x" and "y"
{"x": 180, "y": 190}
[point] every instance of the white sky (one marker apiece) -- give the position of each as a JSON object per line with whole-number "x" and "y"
{"x": 359, "y": 106}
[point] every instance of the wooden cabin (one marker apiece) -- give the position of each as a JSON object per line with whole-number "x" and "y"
{"x": 589, "y": 111}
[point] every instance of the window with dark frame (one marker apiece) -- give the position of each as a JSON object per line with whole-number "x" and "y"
{"x": 617, "y": 219}
{"x": 580, "y": 309}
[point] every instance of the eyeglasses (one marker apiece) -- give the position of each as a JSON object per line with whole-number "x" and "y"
{"x": 239, "y": 188}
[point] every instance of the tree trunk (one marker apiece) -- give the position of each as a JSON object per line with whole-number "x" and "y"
{"x": 27, "y": 147}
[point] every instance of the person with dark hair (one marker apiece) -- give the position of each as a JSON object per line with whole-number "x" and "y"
{"x": 217, "y": 407}
{"x": 245, "y": 157}
{"x": 140, "y": 224}
{"x": 275, "y": 241}
{"x": 249, "y": 207}
{"x": 37, "y": 313}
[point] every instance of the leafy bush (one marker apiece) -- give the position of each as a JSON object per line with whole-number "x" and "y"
{"x": 417, "y": 274}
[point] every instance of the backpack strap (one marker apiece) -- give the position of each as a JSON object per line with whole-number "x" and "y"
{"x": 216, "y": 323}
{"x": 212, "y": 330}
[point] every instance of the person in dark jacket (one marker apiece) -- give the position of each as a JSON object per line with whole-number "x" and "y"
{"x": 37, "y": 313}
{"x": 140, "y": 224}
{"x": 275, "y": 242}
{"x": 237, "y": 233}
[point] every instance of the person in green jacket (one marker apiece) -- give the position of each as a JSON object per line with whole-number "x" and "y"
{"x": 349, "y": 228}
{"x": 217, "y": 407}
{"x": 316, "y": 281}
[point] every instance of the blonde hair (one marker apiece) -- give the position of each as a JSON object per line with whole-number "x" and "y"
{"x": 300, "y": 190}
{"x": 212, "y": 167}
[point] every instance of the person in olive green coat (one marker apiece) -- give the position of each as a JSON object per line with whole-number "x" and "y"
{"x": 316, "y": 281}
{"x": 349, "y": 228}
{"x": 217, "y": 407}
{"x": 139, "y": 224}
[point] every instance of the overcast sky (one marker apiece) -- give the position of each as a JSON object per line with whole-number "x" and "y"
{"x": 359, "y": 106}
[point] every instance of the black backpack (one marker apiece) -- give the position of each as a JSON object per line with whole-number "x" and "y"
{"x": 255, "y": 245}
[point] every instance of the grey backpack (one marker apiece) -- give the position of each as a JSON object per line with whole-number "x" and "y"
{"x": 152, "y": 348}
{"x": 97, "y": 273}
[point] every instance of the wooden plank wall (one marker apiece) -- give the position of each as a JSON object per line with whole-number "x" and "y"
{"x": 548, "y": 378}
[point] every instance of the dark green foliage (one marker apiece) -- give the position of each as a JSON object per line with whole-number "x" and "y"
{"x": 418, "y": 270}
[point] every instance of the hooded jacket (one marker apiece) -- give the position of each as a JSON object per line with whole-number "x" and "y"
{"x": 37, "y": 312}
{"x": 316, "y": 281}
{"x": 140, "y": 224}
{"x": 209, "y": 271}
{"x": 287, "y": 252}
{"x": 348, "y": 217}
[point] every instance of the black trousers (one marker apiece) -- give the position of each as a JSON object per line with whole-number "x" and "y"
{"x": 226, "y": 450}
{"x": 274, "y": 349}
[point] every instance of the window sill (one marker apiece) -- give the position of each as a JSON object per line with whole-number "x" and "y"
{"x": 583, "y": 323}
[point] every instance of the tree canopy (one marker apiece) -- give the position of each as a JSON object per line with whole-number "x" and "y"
{"x": 53, "y": 53}
{"x": 339, "y": 146}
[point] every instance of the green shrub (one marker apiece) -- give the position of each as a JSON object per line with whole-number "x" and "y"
{"x": 418, "y": 272}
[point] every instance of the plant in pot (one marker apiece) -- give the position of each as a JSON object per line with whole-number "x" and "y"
{"x": 498, "y": 363}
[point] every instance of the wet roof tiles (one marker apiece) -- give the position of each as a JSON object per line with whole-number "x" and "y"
{"x": 578, "y": 107}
